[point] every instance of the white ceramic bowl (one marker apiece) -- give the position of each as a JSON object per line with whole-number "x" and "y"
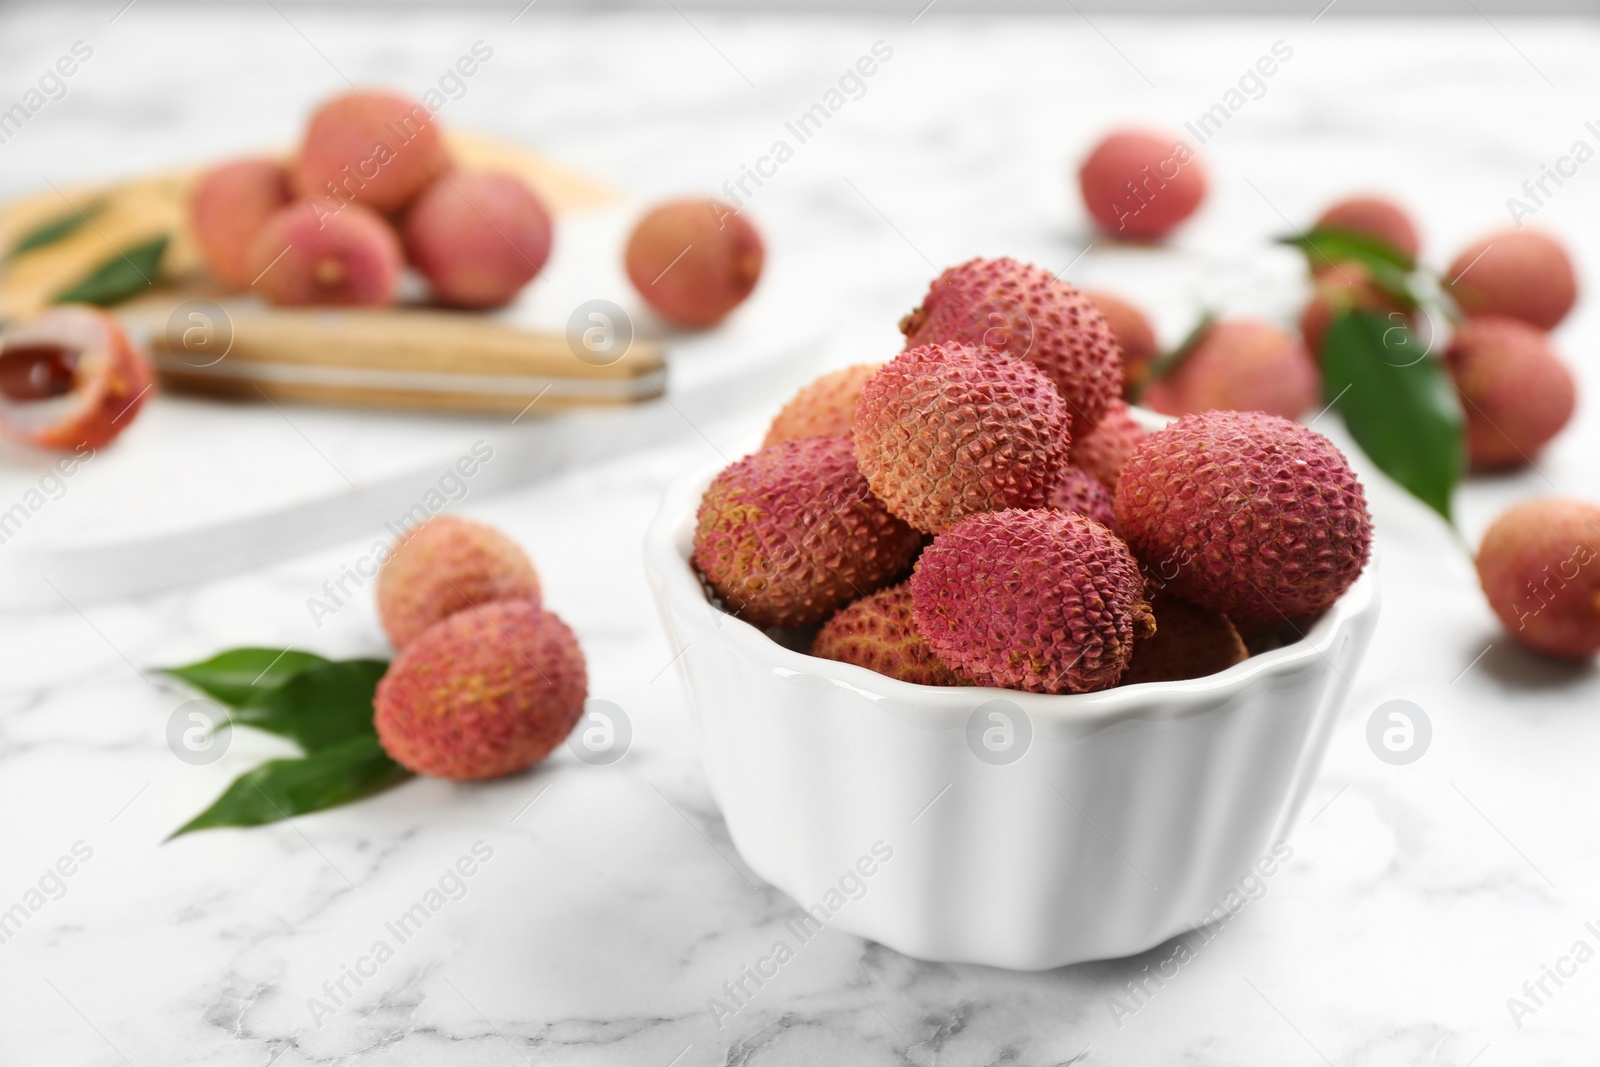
{"x": 990, "y": 826}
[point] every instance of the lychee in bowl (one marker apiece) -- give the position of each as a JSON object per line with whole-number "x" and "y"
{"x": 991, "y": 826}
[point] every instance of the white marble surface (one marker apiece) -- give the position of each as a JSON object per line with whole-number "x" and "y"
{"x": 1418, "y": 899}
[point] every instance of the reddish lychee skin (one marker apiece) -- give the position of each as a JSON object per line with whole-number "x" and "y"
{"x": 478, "y": 237}
{"x": 447, "y": 565}
{"x": 111, "y": 378}
{"x": 370, "y": 147}
{"x": 1135, "y": 337}
{"x": 1027, "y": 313}
{"x": 227, "y": 208}
{"x": 790, "y": 534}
{"x": 825, "y": 408}
{"x": 1340, "y": 286}
{"x": 1141, "y": 185}
{"x": 1539, "y": 565}
{"x": 1246, "y": 514}
{"x": 947, "y": 431}
{"x": 1515, "y": 390}
{"x": 694, "y": 261}
{"x": 1080, "y": 492}
{"x": 1374, "y": 216}
{"x": 349, "y": 258}
{"x": 487, "y": 692}
{"x": 1240, "y": 365}
{"x": 1103, "y": 451}
{"x": 1043, "y": 601}
{"x": 1189, "y": 642}
{"x": 1519, "y": 274}
{"x": 878, "y": 633}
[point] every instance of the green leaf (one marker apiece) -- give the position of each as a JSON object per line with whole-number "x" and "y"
{"x": 237, "y": 675}
{"x": 1389, "y": 268}
{"x": 322, "y": 706}
{"x": 1398, "y": 403}
{"x": 119, "y": 277}
{"x": 283, "y": 788}
{"x": 47, "y": 233}
{"x": 1167, "y": 362}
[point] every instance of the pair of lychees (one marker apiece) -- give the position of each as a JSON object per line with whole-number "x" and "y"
{"x": 968, "y": 436}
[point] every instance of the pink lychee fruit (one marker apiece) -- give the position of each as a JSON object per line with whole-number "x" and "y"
{"x": 1240, "y": 365}
{"x": 478, "y": 237}
{"x": 350, "y": 258}
{"x": 447, "y": 565}
{"x": 1540, "y": 568}
{"x": 1103, "y": 450}
{"x": 1515, "y": 390}
{"x": 877, "y": 632}
{"x": 1519, "y": 274}
{"x": 370, "y": 147}
{"x": 70, "y": 379}
{"x": 694, "y": 261}
{"x": 825, "y": 408}
{"x": 1141, "y": 185}
{"x": 1374, "y": 216}
{"x": 227, "y": 208}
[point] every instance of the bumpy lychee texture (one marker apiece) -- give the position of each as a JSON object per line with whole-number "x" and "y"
{"x": 1135, "y": 337}
{"x": 1028, "y": 314}
{"x": 1246, "y": 514}
{"x": 1103, "y": 450}
{"x": 1141, "y": 185}
{"x": 1044, "y": 601}
{"x": 478, "y": 237}
{"x": 227, "y": 208}
{"x": 694, "y": 261}
{"x": 444, "y": 566}
{"x": 947, "y": 431}
{"x": 1080, "y": 492}
{"x": 371, "y": 147}
{"x": 350, "y": 258}
{"x": 1344, "y": 285}
{"x": 1516, "y": 392}
{"x": 825, "y": 408}
{"x": 1520, "y": 274}
{"x": 1189, "y": 642}
{"x": 878, "y": 633}
{"x": 1374, "y": 216}
{"x": 1540, "y": 569}
{"x": 1240, "y": 365}
{"x": 792, "y": 533}
{"x": 70, "y": 379}
{"x": 487, "y": 692}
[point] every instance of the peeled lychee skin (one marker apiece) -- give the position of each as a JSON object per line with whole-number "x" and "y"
{"x": 1519, "y": 274}
{"x": 1079, "y": 491}
{"x": 1104, "y": 450}
{"x": 1028, "y": 314}
{"x": 478, "y": 237}
{"x": 487, "y": 692}
{"x": 1377, "y": 217}
{"x": 825, "y": 408}
{"x": 447, "y": 565}
{"x": 85, "y": 405}
{"x": 790, "y": 534}
{"x": 1240, "y": 365}
{"x": 1135, "y": 337}
{"x": 227, "y": 208}
{"x": 878, "y": 633}
{"x": 1141, "y": 185}
{"x": 1246, "y": 514}
{"x": 375, "y": 148}
{"x": 947, "y": 431}
{"x": 1515, "y": 390}
{"x": 694, "y": 261}
{"x": 1540, "y": 569}
{"x": 1189, "y": 642}
{"x": 1043, "y": 601}
{"x": 351, "y": 258}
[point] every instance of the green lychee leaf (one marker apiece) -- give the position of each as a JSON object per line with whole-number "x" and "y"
{"x": 283, "y": 788}
{"x": 53, "y": 230}
{"x": 234, "y": 676}
{"x": 1389, "y": 268}
{"x": 121, "y": 275}
{"x": 1398, "y": 402}
{"x": 320, "y": 707}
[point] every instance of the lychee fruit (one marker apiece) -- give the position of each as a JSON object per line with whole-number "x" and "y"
{"x": 369, "y": 147}
{"x": 1374, "y": 216}
{"x": 694, "y": 261}
{"x": 478, "y": 237}
{"x": 945, "y": 431}
{"x": 1044, "y": 601}
{"x": 444, "y": 566}
{"x": 790, "y": 534}
{"x": 1515, "y": 390}
{"x": 487, "y": 692}
{"x": 1080, "y": 492}
{"x": 1344, "y": 285}
{"x": 1135, "y": 337}
{"x": 1103, "y": 450}
{"x": 70, "y": 379}
{"x": 227, "y": 208}
{"x": 825, "y": 408}
{"x": 878, "y": 633}
{"x": 348, "y": 258}
{"x": 1240, "y": 365}
{"x": 1247, "y": 514}
{"x": 1189, "y": 642}
{"x": 1540, "y": 569}
{"x": 1141, "y": 185}
{"x": 1519, "y": 274}
{"x": 1029, "y": 314}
